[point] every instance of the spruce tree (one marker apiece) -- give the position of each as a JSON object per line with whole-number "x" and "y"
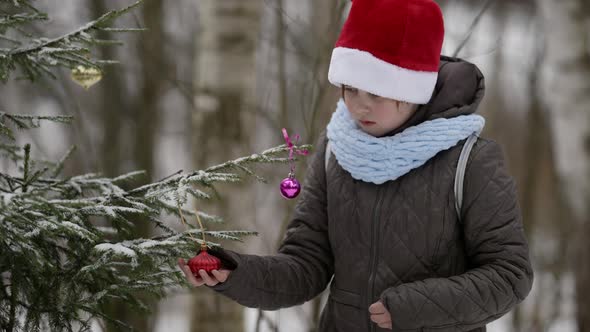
{"x": 66, "y": 242}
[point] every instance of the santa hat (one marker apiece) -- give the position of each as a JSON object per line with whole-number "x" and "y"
{"x": 390, "y": 48}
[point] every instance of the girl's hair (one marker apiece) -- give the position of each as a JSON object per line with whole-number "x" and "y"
{"x": 398, "y": 101}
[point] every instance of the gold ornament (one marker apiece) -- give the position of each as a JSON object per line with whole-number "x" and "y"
{"x": 86, "y": 76}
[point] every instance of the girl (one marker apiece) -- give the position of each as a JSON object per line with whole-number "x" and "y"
{"x": 378, "y": 222}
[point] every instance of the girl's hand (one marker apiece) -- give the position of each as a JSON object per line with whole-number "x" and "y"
{"x": 380, "y": 315}
{"x": 204, "y": 278}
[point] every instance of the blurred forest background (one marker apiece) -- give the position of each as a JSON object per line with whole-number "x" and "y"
{"x": 213, "y": 80}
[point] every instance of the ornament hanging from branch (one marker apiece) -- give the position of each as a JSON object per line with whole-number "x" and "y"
{"x": 86, "y": 76}
{"x": 290, "y": 187}
{"x": 203, "y": 260}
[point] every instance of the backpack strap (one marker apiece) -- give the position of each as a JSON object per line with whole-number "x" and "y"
{"x": 460, "y": 174}
{"x": 327, "y": 156}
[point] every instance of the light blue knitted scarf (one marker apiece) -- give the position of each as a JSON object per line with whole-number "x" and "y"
{"x": 380, "y": 159}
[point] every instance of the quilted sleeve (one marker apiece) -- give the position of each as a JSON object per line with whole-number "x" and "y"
{"x": 304, "y": 263}
{"x": 499, "y": 275}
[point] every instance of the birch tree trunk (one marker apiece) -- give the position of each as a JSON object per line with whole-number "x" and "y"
{"x": 225, "y": 83}
{"x": 567, "y": 91}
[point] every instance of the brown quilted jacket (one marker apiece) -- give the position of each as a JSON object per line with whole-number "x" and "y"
{"x": 401, "y": 242}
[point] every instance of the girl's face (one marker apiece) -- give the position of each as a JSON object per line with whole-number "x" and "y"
{"x": 376, "y": 115}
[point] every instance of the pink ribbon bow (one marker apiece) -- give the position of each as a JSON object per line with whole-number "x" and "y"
{"x": 292, "y": 148}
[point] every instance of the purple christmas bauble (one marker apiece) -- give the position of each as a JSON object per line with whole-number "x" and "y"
{"x": 290, "y": 187}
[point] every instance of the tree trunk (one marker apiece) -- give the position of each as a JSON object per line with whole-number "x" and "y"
{"x": 225, "y": 84}
{"x": 145, "y": 112}
{"x": 110, "y": 102}
{"x": 568, "y": 95}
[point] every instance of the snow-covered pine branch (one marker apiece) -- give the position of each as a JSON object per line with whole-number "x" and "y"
{"x": 26, "y": 122}
{"x": 37, "y": 56}
{"x": 71, "y": 236}
{"x": 214, "y": 173}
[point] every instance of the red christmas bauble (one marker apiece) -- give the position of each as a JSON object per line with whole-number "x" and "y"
{"x": 204, "y": 261}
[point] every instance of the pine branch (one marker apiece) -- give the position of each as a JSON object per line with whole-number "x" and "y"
{"x": 27, "y": 122}
{"x": 20, "y": 19}
{"x": 10, "y": 181}
{"x": 75, "y": 264}
{"x": 212, "y": 173}
{"x": 14, "y": 41}
{"x": 69, "y": 50}
{"x": 264, "y": 157}
{"x": 51, "y": 225}
{"x": 230, "y": 235}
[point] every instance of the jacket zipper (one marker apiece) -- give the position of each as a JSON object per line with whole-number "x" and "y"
{"x": 373, "y": 257}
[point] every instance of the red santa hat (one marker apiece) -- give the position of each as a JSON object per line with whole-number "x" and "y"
{"x": 390, "y": 48}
